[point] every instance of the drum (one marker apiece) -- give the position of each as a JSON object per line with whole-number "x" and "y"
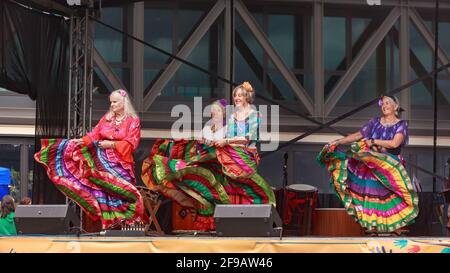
{"x": 182, "y": 218}
{"x": 298, "y": 206}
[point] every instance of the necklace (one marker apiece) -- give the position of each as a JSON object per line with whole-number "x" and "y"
{"x": 241, "y": 115}
{"x": 118, "y": 121}
{"x": 389, "y": 123}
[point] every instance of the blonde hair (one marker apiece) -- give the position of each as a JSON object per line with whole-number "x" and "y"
{"x": 127, "y": 105}
{"x": 248, "y": 91}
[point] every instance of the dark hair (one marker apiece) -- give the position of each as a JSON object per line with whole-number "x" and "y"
{"x": 26, "y": 201}
{"x": 7, "y": 205}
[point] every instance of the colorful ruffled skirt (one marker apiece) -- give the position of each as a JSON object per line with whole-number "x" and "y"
{"x": 373, "y": 186}
{"x": 95, "y": 178}
{"x": 198, "y": 176}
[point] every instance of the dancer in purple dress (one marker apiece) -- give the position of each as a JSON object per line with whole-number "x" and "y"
{"x": 370, "y": 179}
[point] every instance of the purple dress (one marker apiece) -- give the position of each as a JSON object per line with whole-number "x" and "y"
{"x": 374, "y": 187}
{"x": 375, "y": 130}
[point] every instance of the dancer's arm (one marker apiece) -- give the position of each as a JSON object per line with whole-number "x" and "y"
{"x": 348, "y": 139}
{"x": 93, "y": 135}
{"x": 390, "y": 144}
{"x": 400, "y": 137}
{"x": 234, "y": 140}
{"x": 365, "y": 132}
{"x": 126, "y": 146}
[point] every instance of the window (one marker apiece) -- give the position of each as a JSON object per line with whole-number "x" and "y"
{"x": 10, "y": 159}
{"x": 17, "y": 155}
{"x": 112, "y": 47}
{"x": 167, "y": 29}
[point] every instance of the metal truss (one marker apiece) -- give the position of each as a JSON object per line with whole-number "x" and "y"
{"x": 80, "y": 75}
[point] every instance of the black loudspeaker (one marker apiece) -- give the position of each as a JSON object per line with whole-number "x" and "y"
{"x": 247, "y": 221}
{"x": 46, "y": 219}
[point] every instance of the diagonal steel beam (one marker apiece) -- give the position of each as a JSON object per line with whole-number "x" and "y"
{"x": 428, "y": 36}
{"x": 256, "y": 67}
{"x": 107, "y": 71}
{"x": 185, "y": 51}
{"x": 262, "y": 39}
{"x": 359, "y": 62}
{"x": 419, "y": 69}
{"x": 359, "y": 43}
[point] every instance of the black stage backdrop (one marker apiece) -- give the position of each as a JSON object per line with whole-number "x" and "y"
{"x": 34, "y": 61}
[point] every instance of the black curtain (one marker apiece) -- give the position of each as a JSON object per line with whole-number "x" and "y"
{"x": 34, "y": 61}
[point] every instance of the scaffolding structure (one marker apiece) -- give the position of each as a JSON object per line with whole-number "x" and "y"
{"x": 80, "y": 74}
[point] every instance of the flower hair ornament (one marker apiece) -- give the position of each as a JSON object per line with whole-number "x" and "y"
{"x": 222, "y": 102}
{"x": 122, "y": 92}
{"x": 380, "y": 101}
{"x": 247, "y": 87}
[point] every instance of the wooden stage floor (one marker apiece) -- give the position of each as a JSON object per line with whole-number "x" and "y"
{"x": 207, "y": 244}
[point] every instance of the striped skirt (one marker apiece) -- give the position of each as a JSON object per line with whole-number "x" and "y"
{"x": 198, "y": 176}
{"x": 95, "y": 178}
{"x": 373, "y": 187}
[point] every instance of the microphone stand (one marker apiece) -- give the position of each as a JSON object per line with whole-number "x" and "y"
{"x": 285, "y": 183}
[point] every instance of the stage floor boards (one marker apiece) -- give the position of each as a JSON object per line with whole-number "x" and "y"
{"x": 206, "y": 244}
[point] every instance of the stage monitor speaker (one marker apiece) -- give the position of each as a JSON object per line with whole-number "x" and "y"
{"x": 46, "y": 219}
{"x": 247, "y": 221}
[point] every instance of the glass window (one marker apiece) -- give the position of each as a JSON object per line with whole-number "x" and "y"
{"x": 330, "y": 80}
{"x": 420, "y": 49}
{"x": 150, "y": 75}
{"x": 192, "y": 82}
{"x": 282, "y": 37}
{"x": 247, "y": 72}
{"x": 104, "y": 86}
{"x": 280, "y": 90}
{"x": 307, "y": 81}
{"x": 168, "y": 90}
{"x": 444, "y": 38}
{"x": 124, "y": 76}
{"x": 259, "y": 17}
{"x": 31, "y": 162}
{"x": 333, "y": 41}
{"x": 245, "y": 35}
{"x": 10, "y": 159}
{"x": 364, "y": 86}
{"x": 422, "y": 96}
{"x": 252, "y": 64}
{"x": 162, "y": 27}
{"x": 188, "y": 19}
{"x": 108, "y": 41}
{"x": 158, "y": 31}
{"x": 392, "y": 63}
{"x": 359, "y": 25}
